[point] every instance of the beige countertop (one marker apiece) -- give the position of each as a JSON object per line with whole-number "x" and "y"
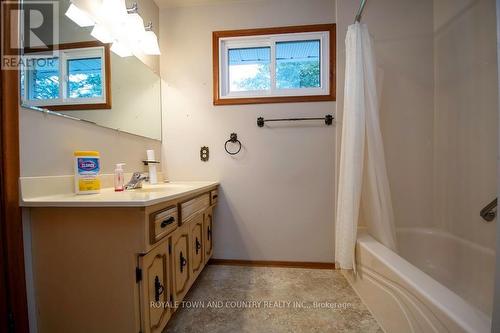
{"x": 147, "y": 196}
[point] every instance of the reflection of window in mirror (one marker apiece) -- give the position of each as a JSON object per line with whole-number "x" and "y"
{"x": 74, "y": 77}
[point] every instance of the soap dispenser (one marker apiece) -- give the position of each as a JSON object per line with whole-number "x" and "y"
{"x": 119, "y": 181}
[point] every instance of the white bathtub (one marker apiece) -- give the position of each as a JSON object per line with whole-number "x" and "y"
{"x": 445, "y": 285}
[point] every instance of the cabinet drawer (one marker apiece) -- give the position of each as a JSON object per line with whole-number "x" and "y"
{"x": 163, "y": 223}
{"x": 214, "y": 195}
{"x": 192, "y": 206}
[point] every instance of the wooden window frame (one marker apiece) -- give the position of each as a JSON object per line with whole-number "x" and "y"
{"x": 218, "y": 35}
{"x": 107, "y": 72}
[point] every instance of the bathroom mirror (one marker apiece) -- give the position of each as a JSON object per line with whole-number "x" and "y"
{"x": 82, "y": 80}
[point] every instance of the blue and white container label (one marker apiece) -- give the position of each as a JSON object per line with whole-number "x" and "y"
{"x": 88, "y": 165}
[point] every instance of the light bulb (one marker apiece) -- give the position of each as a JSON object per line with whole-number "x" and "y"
{"x": 149, "y": 44}
{"x": 121, "y": 49}
{"x": 79, "y": 16}
{"x": 112, "y": 14}
{"x": 134, "y": 28}
{"x": 114, "y": 7}
{"x": 102, "y": 34}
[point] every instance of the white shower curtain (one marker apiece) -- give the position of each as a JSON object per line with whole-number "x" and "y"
{"x": 363, "y": 178}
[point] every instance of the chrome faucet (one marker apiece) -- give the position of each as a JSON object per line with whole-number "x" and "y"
{"x": 136, "y": 180}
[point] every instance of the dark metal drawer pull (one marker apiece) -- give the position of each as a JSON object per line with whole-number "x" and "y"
{"x": 489, "y": 212}
{"x": 198, "y": 245}
{"x": 183, "y": 262}
{"x": 209, "y": 233}
{"x": 159, "y": 289}
{"x": 167, "y": 221}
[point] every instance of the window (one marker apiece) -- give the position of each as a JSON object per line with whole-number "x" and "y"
{"x": 75, "y": 77}
{"x": 290, "y": 64}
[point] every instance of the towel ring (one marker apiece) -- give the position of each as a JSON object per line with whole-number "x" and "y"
{"x": 233, "y": 138}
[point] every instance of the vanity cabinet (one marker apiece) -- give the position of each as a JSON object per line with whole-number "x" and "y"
{"x": 118, "y": 269}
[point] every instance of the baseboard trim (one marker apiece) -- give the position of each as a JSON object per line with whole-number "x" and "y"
{"x": 272, "y": 263}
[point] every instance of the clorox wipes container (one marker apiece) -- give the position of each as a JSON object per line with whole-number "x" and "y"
{"x": 87, "y": 167}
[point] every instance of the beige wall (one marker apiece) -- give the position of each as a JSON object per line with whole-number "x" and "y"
{"x": 277, "y": 200}
{"x": 466, "y": 116}
{"x": 402, "y": 32}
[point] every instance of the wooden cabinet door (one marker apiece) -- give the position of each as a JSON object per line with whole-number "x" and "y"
{"x": 208, "y": 232}
{"x": 154, "y": 288}
{"x": 181, "y": 261}
{"x": 196, "y": 239}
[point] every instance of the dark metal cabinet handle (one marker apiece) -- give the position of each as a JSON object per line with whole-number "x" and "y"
{"x": 209, "y": 233}
{"x": 215, "y": 196}
{"x": 159, "y": 289}
{"x": 489, "y": 212}
{"x": 167, "y": 221}
{"x": 198, "y": 245}
{"x": 182, "y": 262}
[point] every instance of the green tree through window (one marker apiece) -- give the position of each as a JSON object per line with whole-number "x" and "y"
{"x": 303, "y": 74}
{"x": 289, "y": 75}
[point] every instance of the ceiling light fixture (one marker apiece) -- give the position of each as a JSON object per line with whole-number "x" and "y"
{"x": 115, "y": 23}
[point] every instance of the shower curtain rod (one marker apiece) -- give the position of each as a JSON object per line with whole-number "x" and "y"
{"x": 360, "y": 11}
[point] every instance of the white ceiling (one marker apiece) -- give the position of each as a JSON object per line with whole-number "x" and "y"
{"x": 186, "y": 3}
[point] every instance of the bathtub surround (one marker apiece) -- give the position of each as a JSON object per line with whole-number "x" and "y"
{"x": 362, "y": 175}
{"x": 465, "y": 117}
{"x": 438, "y": 110}
{"x": 277, "y": 194}
{"x": 403, "y": 45}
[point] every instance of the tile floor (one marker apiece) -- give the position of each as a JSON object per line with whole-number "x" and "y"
{"x": 260, "y": 299}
